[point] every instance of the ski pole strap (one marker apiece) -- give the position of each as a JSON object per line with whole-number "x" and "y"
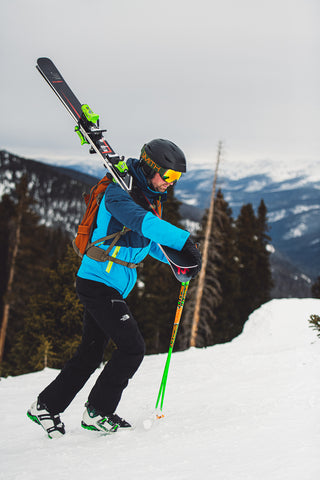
{"x": 96, "y": 253}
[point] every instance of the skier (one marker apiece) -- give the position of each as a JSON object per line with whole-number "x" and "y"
{"x": 102, "y": 287}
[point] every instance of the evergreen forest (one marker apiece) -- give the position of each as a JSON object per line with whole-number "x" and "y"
{"x": 41, "y": 316}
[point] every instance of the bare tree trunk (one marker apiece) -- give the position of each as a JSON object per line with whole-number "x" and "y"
{"x": 202, "y": 274}
{"x": 7, "y": 296}
{"x": 46, "y": 350}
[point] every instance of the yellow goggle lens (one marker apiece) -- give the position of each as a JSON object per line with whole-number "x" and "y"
{"x": 170, "y": 175}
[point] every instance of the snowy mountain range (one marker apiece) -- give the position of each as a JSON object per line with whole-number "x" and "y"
{"x": 292, "y": 197}
{"x": 293, "y": 209}
{"x": 291, "y": 194}
{"x": 292, "y": 200}
{"x": 247, "y": 409}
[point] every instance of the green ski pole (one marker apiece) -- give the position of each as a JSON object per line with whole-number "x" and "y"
{"x": 182, "y": 297}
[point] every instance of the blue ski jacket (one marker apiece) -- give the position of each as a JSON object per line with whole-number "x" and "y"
{"x": 118, "y": 209}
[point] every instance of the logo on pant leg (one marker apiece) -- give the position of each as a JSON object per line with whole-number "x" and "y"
{"x": 124, "y": 317}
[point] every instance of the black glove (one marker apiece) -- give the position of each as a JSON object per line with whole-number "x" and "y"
{"x": 192, "y": 252}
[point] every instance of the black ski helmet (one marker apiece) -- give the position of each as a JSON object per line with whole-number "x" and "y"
{"x": 163, "y": 153}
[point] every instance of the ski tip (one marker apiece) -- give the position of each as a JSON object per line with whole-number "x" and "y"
{"x": 44, "y": 61}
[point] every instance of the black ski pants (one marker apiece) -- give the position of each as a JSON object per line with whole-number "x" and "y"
{"x": 106, "y": 317}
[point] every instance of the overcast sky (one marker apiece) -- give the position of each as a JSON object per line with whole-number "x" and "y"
{"x": 195, "y": 72}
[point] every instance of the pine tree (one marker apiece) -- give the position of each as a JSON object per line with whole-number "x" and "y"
{"x": 238, "y": 277}
{"x": 7, "y": 210}
{"x": 314, "y": 321}
{"x": 264, "y": 275}
{"x": 19, "y": 212}
{"x": 211, "y": 296}
{"x": 53, "y": 321}
{"x": 28, "y": 249}
{"x": 228, "y": 324}
{"x": 255, "y": 273}
{"x": 315, "y": 289}
{"x": 211, "y": 293}
{"x": 202, "y": 282}
{"x": 247, "y": 245}
{"x": 219, "y": 318}
{"x": 22, "y": 262}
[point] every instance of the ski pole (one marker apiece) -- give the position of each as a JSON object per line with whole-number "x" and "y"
{"x": 181, "y": 300}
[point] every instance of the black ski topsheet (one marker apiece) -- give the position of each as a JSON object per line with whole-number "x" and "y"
{"x": 90, "y": 131}
{"x": 181, "y": 266}
{"x": 54, "y": 78}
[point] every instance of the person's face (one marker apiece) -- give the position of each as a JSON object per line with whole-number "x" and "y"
{"x": 158, "y": 184}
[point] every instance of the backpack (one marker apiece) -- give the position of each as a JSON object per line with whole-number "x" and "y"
{"x": 82, "y": 242}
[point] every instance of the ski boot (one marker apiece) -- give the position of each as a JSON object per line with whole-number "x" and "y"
{"x": 52, "y": 424}
{"x": 93, "y": 420}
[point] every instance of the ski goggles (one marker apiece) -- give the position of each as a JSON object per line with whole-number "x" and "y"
{"x": 168, "y": 175}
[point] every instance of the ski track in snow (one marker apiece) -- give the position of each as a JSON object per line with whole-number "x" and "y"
{"x": 245, "y": 410}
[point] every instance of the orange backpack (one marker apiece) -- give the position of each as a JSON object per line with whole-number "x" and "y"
{"x": 82, "y": 242}
{"x": 93, "y": 199}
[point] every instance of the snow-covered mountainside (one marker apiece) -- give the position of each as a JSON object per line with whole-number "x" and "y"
{"x": 293, "y": 209}
{"x": 246, "y": 410}
{"x": 57, "y": 192}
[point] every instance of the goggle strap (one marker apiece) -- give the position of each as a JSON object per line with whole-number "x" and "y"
{"x": 167, "y": 174}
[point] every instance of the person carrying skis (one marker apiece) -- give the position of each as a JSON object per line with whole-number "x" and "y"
{"x": 102, "y": 287}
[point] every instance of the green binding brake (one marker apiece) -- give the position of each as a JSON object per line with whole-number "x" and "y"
{"x": 82, "y": 138}
{"x": 89, "y": 114}
{"x": 122, "y": 167}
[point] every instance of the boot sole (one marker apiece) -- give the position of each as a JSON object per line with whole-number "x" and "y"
{"x": 33, "y": 417}
{"x": 92, "y": 428}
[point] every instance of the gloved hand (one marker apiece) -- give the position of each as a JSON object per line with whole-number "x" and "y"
{"x": 193, "y": 253}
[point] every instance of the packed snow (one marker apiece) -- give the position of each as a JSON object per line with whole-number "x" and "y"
{"x": 245, "y": 410}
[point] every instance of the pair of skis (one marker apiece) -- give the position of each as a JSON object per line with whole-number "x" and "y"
{"x": 89, "y": 131}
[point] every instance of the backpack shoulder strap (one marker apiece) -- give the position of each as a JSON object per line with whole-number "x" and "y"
{"x": 96, "y": 253}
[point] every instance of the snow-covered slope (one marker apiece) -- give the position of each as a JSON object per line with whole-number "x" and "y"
{"x": 245, "y": 410}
